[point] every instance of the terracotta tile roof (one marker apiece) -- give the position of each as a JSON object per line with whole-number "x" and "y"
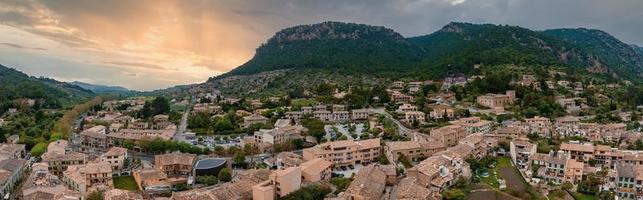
{"x": 315, "y": 166}
{"x": 577, "y": 147}
{"x": 175, "y": 159}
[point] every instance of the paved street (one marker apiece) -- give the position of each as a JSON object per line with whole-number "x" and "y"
{"x": 401, "y": 128}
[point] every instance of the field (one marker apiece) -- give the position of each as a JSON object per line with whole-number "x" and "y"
{"x": 516, "y": 185}
{"x": 125, "y": 183}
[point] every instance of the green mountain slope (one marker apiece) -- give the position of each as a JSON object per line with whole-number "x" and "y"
{"x": 53, "y": 94}
{"x": 457, "y": 47}
{"x": 608, "y": 54}
{"x": 333, "y": 45}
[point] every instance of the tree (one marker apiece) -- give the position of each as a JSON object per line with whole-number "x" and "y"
{"x": 96, "y": 195}
{"x": 207, "y": 180}
{"x": 240, "y": 160}
{"x": 453, "y": 193}
{"x": 181, "y": 187}
{"x": 39, "y": 149}
{"x": 341, "y": 182}
{"x": 404, "y": 160}
{"x": 224, "y": 175}
{"x": 311, "y": 192}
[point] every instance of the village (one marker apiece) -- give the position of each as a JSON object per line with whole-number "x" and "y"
{"x": 207, "y": 146}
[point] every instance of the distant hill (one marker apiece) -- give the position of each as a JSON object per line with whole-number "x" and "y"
{"x": 100, "y": 88}
{"x": 53, "y": 94}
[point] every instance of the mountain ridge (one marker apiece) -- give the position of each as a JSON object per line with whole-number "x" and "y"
{"x": 454, "y": 48}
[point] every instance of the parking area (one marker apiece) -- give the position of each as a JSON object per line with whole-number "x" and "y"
{"x": 348, "y": 171}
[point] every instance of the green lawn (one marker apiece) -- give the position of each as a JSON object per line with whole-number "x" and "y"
{"x": 125, "y": 183}
{"x": 581, "y": 196}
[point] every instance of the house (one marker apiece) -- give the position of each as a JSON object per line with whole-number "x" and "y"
{"x": 449, "y": 135}
{"x": 294, "y": 115}
{"x": 116, "y": 157}
{"x": 175, "y": 164}
{"x": 95, "y": 138}
{"x": 280, "y": 183}
{"x": 254, "y": 119}
{"x": 439, "y": 172}
{"x": 520, "y": 152}
{"x": 43, "y": 185}
{"x": 398, "y": 97}
{"x": 406, "y": 108}
{"x": 360, "y": 114}
{"x": 412, "y": 116}
{"x": 551, "y": 166}
{"x": 474, "y": 125}
{"x": 11, "y": 171}
{"x": 58, "y": 158}
{"x": 497, "y": 100}
{"x": 88, "y": 177}
{"x": 316, "y": 170}
{"x": 369, "y": 183}
{"x": 442, "y": 111}
{"x": 151, "y": 180}
{"x": 118, "y": 194}
{"x": 408, "y": 190}
{"x": 413, "y": 150}
{"x": 240, "y": 188}
{"x": 323, "y": 115}
{"x": 345, "y": 152}
{"x": 12, "y": 151}
{"x": 539, "y": 125}
{"x": 573, "y": 171}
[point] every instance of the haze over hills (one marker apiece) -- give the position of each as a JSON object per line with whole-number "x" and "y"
{"x": 15, "y": 85}
{"x": 309, "y": 54}
{"x": 101, "y": 88}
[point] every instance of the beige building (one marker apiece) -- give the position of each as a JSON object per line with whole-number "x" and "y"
{"x": 175, "y": 164}
{"x": 497, "y": 100}
{"x": 11, "y": 171}
{"x": 412, "y": 116}
{"x": 449, "y": 135}
{"x": 254, "y": 119}
{"x": 118, "y": 194}
{"x": 116, "y": 157}
{"x": 360, "y": 114}
{"x": 316, "y": 170}
{"x": 58, "y": 157}
{"x": 539, "y": 125}
{"x": 345, "y": 152}
{"x": 439, "y": 171}
{"x": 520, "y": 152}
{"x": 369, "y": 183}
{"x": 442, "y": 111}
{"x": 89, "y": 177}
{"x": 12, "y": 151}
{"x": 240, "y": 188}
{"x": 413, "y": 150}
{"x": 151, "y": 180}
{"x": 41, "y": 184}
{"x": 280, "y": 183}
{"x": 95, "y": 138}
{"x": 573, "y": 171}
{"x": 475, "y": 125}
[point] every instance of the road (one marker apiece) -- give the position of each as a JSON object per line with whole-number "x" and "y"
{"x": 183, "y": 125}
{"x": 401, "y": 128}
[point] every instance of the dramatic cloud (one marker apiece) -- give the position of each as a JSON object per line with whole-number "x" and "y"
{"x": 150, "y": 44}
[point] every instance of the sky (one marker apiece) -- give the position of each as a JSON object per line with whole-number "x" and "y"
{"x": 154, "y": 44}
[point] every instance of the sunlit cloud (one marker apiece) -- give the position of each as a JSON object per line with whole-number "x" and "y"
{"x": 152, "y": 44}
